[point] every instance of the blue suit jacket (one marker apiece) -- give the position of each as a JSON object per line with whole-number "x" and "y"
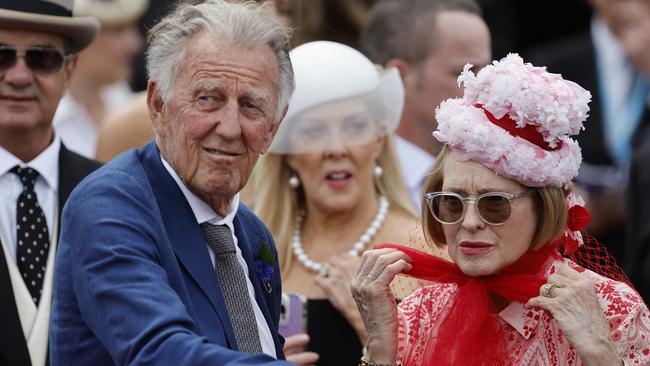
{"x": 134, "y": 283}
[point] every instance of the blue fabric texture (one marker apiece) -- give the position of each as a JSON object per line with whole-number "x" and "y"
{"x": 134, "y": 283}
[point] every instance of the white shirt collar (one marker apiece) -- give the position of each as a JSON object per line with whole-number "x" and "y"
{"x": 617, "y": 71}
{"x": 202, "y": 211}
{"x": 416, "y": 163}
{"x": 46, "y": 163}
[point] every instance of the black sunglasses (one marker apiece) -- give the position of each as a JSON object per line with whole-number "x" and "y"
{"x": 493, "y": 208}
{"x": 42, "y": 60}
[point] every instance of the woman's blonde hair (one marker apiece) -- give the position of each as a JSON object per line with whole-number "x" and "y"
{"x": 277, "y": 204}
{"x": 550, "y": 209}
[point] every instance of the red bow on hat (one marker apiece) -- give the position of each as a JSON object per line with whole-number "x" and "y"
{"x": 577, "y": 220}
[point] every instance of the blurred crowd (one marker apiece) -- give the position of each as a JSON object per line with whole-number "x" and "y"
{"x": 601, "y": 45}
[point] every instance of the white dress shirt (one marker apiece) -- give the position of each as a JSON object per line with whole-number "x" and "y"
{"x": 34, "y": 320}
{"x": 416, "y": 165}
{"x": 622, "y": 100}
{"x": 46, "y": 188}
{"x": 204, "y": 213}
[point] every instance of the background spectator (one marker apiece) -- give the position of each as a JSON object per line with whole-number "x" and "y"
{"x": 39, "y": 43}
{"x": 100, "y": 82}
{"x": 429, "y": 42}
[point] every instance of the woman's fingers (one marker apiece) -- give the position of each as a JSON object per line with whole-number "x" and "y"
{"x": 295, "y": 343}
{"x": 383, "y": 261}
{"x": 391, "y": 270}
{"x": 375, "y": 300}
{"x": 368, "y": 260}
{"x": 571, "y": 300}
{"x": 303, "y": 358}
{"x": 293, "y": 350}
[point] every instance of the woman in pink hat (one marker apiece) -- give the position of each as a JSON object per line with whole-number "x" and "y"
{"x": 500, "y": 198}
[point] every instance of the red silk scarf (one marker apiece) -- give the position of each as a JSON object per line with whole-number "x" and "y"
{"x": 470, "y": 334}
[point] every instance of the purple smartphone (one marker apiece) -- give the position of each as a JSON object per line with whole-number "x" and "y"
{"x": 293, "y": 315}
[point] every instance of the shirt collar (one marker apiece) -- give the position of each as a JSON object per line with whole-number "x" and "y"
{"x": 202, "y": 211}
{"x": 525, "y": 320}
{"x": 418, "y": 164}
{"x": 46, "y": 163}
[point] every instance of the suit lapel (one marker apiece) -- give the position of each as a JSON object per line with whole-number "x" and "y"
{"x": 72, "y": 169}
{"x": 13, "y": 347}
{"x": 185, "y": 234}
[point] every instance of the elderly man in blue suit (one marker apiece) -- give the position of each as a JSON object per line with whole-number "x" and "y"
{"x": 159, "y": 263}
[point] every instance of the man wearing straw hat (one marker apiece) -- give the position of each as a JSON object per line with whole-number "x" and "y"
{"x": 38, "y": 43}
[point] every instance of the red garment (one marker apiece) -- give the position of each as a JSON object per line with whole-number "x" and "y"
{"x": 477, "y": 337}
{"x": 532, "y": 336}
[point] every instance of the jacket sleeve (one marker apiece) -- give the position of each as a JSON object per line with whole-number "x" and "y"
{"x": 109, "y": 259}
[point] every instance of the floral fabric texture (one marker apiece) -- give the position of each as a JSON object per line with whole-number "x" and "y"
{"x": 533, "y": 336}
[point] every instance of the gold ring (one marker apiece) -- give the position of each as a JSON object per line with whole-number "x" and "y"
{"x": 548, "y": 289}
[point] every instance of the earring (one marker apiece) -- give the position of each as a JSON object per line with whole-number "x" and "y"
{"x": 294, "y": 182}
{"x": 378, "y": 171}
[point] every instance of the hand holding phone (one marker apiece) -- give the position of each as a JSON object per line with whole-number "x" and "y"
{"x": 293, "y": 315}
{"x": 294, "y": 350}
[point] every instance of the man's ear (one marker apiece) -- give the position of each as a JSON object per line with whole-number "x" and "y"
{"x": 406, "y": 70}
{"x": 68, "y": 70}
{"x": 268, "y": 138}
{"x": 155, "y": 104}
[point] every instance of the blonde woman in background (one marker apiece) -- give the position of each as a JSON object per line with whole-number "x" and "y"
{"x": 331, "y": 187}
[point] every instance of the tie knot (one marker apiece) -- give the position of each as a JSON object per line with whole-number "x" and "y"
{"x": 219, "y": 238}
{"x": 27, "y": 176}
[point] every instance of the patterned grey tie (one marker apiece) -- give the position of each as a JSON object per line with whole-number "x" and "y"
{"x": 233, "y": 286}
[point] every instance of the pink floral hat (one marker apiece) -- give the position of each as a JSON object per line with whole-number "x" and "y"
{"x": 516, "y": 119}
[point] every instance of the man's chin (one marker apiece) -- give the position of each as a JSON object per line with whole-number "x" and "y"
{"x": 217, "y": 191}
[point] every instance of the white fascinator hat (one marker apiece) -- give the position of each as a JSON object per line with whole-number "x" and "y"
{"x": 341, "y": 97}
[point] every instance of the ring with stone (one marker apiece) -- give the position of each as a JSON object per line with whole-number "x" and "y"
{"x": 324, "y": 272}
{"x": 548, "y": 288}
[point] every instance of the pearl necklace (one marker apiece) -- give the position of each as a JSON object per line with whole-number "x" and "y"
{"x": 357, "y": 248}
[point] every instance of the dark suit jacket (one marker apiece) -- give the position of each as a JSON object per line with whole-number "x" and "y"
{"x": 637, "y": 245}
{"x": 133, "y": 281}
{"x": 13, "y": 348}
{"x": 574, "y": 57}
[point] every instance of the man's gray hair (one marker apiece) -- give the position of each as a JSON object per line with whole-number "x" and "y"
{"x": 406, "y": 29}
{"x": 239, "y": 24}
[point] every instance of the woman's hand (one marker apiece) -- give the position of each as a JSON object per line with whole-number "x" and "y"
{"x": 574, "y": 306}
{"x": 336, "y": 286}
{"x": 376, "y": 302}
{"x": 293, "y": 350}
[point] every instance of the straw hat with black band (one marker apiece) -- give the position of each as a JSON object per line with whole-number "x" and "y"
{"x": 52, "y": 16}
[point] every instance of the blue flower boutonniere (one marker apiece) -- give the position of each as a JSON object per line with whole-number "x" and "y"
{"x": 264, "y": 262}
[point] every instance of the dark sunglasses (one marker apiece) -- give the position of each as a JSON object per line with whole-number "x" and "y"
{"x": 42, "y": 60}
{"x": 493, "y": 208}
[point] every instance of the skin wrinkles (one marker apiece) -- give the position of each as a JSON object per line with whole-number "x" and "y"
{"x": 510, "y": 240}
{"x": 211, "y": 88}
{"x": 219, "y": 118}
